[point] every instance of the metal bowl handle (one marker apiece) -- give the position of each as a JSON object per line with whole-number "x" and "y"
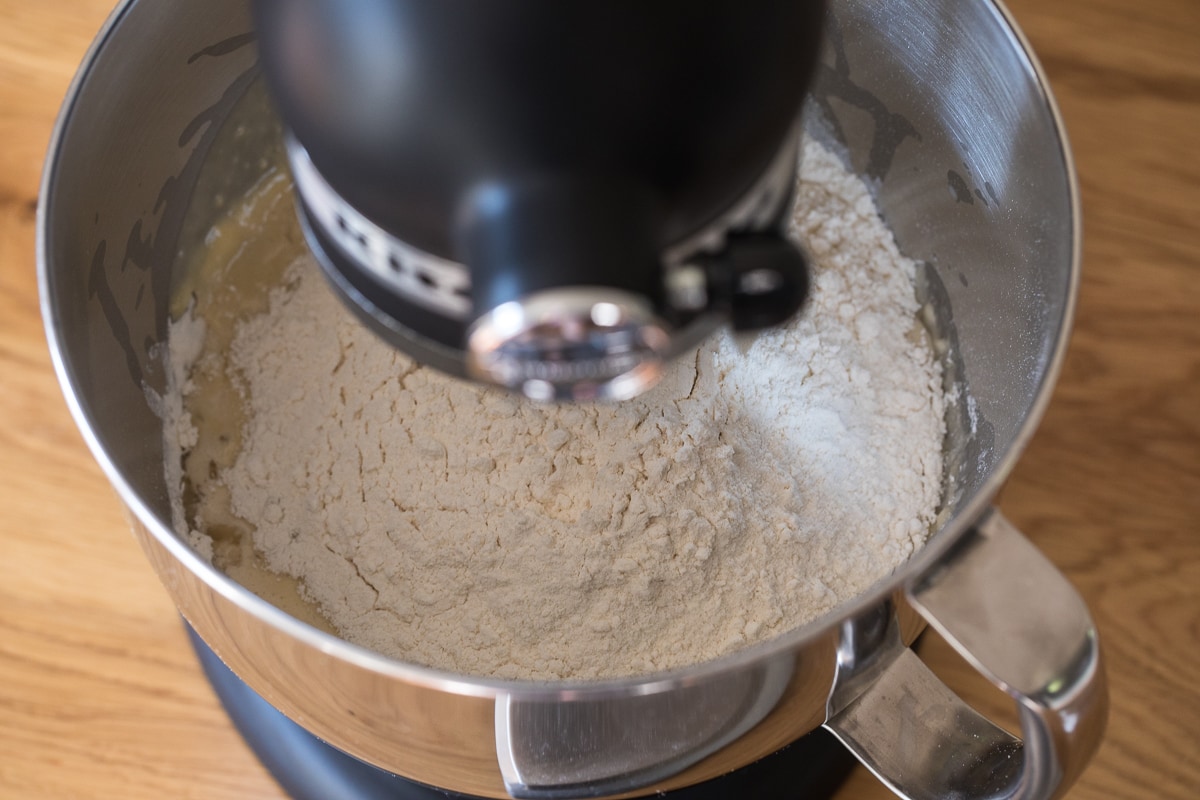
{"x": 1014, "y": 617}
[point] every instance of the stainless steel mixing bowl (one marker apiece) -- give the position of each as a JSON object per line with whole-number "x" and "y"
{"x": 940, "y": 105}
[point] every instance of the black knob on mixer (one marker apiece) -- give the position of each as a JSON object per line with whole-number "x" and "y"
{"x": 761, "y": 277}
{"x": 506, "y": 188}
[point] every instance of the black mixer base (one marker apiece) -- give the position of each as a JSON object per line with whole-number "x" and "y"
{"x": 309, "y": 769}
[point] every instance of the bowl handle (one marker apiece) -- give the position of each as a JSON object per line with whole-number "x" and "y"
{"x": 1014, "y": 617}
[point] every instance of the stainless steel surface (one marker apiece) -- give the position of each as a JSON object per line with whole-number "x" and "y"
{"x": 922, "y": 741}
{"x": 935, "y": 102}
{"x": 1013, "y": 616}
{"x": 579, "y": 343}
{"x": 594, "y": 751}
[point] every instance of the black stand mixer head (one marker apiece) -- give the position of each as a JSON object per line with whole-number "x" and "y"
{"x": 555, "y": 197}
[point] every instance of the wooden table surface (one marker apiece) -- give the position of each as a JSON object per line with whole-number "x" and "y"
{"x": 100, "y": 696}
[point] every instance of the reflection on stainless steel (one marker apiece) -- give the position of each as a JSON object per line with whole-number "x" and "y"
{"x": 1005, "y": 252}
{"x": 1007, "y": 610}
{"x": 1013, "y": 616}
{"x": 563, "y": 747}
{"x": 576, "y": 343}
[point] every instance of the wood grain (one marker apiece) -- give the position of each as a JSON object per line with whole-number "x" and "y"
{"x": 100, "y": 696}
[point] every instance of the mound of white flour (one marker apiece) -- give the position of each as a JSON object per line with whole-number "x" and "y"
{"x": 761, "y": 484}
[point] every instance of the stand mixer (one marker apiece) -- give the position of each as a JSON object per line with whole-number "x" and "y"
{"x": 556, "y": 198}
{"x": 610, "y": 193}
{"x": 553, "y": 197}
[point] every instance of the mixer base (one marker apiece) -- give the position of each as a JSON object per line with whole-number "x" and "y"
{"x": 309, "y": 769}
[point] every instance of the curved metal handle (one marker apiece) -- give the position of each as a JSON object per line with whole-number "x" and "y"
{"x": 1006, "y": 609}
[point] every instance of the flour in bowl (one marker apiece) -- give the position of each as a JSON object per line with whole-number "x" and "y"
{"x": 765, "y": 481}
